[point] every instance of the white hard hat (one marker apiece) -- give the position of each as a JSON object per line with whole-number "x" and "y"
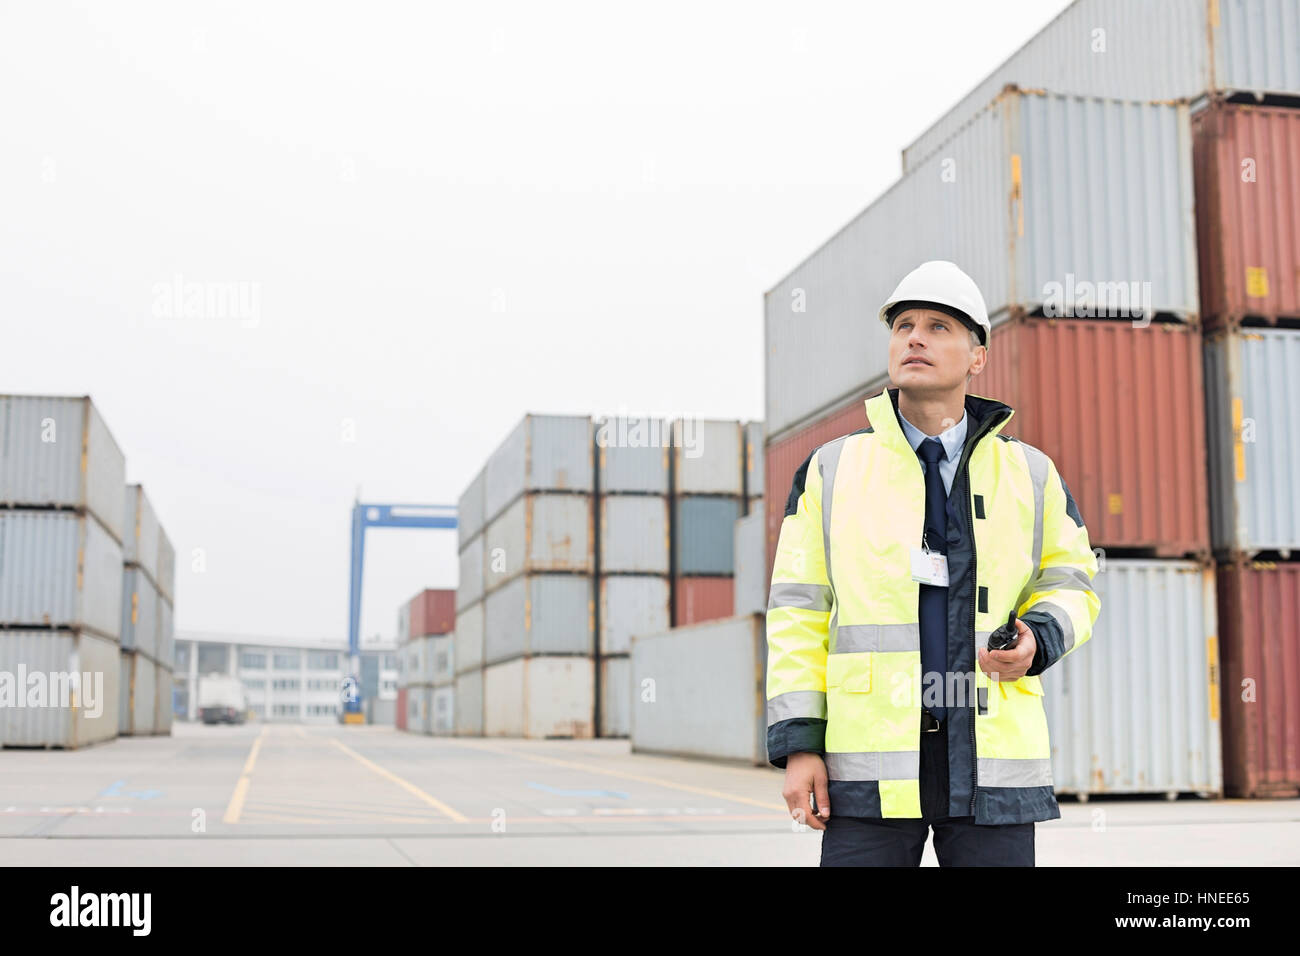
{"x": 940, "y": 284}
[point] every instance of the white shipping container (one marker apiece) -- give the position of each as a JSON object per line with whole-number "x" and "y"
{"x": 163, "y": 714}
{"x": 632, "y": 455}
{"x": 142, "y": 533}
{"x": 59, "y": 569}
{"x": 469, "y": 510}
{"x": 166, "y": 633}
{"x": 538, "y": 697}
{"x": 140, "y": 626}
{"x": 444, "y": 711}
{"x": 126, "y": 661}
{"x": 751, "y": 587}
{"x": 58, "y": 709}
{"x": 755, "y": 469}
{"x": 708, "y": 457}
{"x": 166, "y": 579}
{"x": 442, "y": 659}
{"x": 543, "y": 453}
{"x": 472, "y": 570}
{"x": 616, "y": 693}
{"x": 468, "y": 649}
{"x": 57, "y": 451}
{"x": 539, "y": 614}
{"x": 708, "y": 695}
{"x": 144, "y": 694}
{"x": 468, "y": 697}
{"x": 634, "y": 534}
{"x": 539, "y": 532}
{"x": 632, "y": 604}
{"x": 404, "y": 623}
{"x": 1136, "y": 708}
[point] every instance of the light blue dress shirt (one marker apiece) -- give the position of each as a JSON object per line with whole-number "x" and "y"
{"x": 953, "y": 439}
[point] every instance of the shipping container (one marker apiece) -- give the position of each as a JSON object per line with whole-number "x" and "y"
{"x": 59, "y": 709}
{"x": 1252, "y": 412}
{"x": 401, "y": 717}
{"x": 1259, "y": 619}
{"x": 1024, "y": 200}
{"x": 140, "y": 600}
{"x": 539, "y": 614}
{"x": 419, "y": 709}
{"x": 700, "y": 691}
{"x": 543, "y": 453}
{"x": 632, "y": 604}
{"x": 469, "y": 509}
{"x": 703, "y": 532}
{"x": 472, "y": 571}
{"x": 1247, "y": 162}
{"x": 1136, "y": 708}
{"x": 166, "y": 579}
{"x": 1120, "y": 410}
{"x": 468, "y": 650}
{"x": 142, "y": 531}
{"x": 166, "y": 633}
{"x": 432, "y": 611}
{"x": 125, "y": 665}
{"x": 538, "y": 697}
{"x": 143, "y": 690}
{"x": 442, "y": 660}
{"x": 381, "y": 711}
{"x": 1152, "y": 50}
{"x": 539, "y": 532}
{"x": 444, "y": 710}
{"x": 708, "y": 457}
{"x": 616, "y": 696}
{"x": 468, "y": 698}
{"x": 633, "y": 534}
{"x": 57, "y": 452}
{"x": 702, "y": 599}
{"x": 755, "y": 439}
{"x": 751, "y": 583}
{"x": 59, "y": 569}
{"x": 632, "y": 455}
{"x": 404, "y": 623}
{"x": 164, "y": 702}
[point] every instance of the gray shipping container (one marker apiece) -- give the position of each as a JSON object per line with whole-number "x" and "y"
{"x": 58, "y": 452}
{"x": 1252, "y": 414}
{"x": 59, "y": 569}
{"x": 166, "y": 579}
{"x": 444, "y": 710}
{"x": 166, "y": 633}
{"x": 539, "y": 697}
{"x": 634, "y": 534}
{"x": 539, "y": 532}
{"x": 140, "y": 626}
{"x": 142, "y": 533}
{"x": 442, "y": 659}
{"x": 700, "y": 691}
{"x": 1151, "y": 50}
{"x": 708, "y": 457}
{"x": 754, "y": 463}
{"x": 140, "y": 687}
{"x": 64, "y": 711}
{"x": 468, "y": 698}
{"x": 1025, "y": 200}
{"x": 704, "y": 534}
{"x": 163, "y": 713}
{"x": 543, "y": 453}
{"x": 629, "y": 605}
{"x": 468, "y": 649}
{"x": 1136, "y": 708}
{"x": 539, "y": 614}
{"x": 632, "y": 455}
{"x": 469, "y": 509}
{"x": 381, "y": 711}
{"x": 472, "y": 570}
{"x": 616, "y": 696}
{"x": 751, "y": 564}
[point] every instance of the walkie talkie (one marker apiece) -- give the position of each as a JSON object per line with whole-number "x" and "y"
{"x": 1006, "y": 636}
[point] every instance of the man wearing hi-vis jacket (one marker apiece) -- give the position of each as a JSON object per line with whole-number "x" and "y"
{"x": 903, "y": 547}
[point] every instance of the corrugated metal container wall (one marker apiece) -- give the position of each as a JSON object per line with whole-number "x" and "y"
{"x": 443, "y": 659}
{"x": 142, "y": 533}
{"x": 404, "y": 623}
{"x": 433, "y": 611}
{"x": 144, "y": 694}
{"x": 1120, "y": 410}
{"x": 444, "y": 711}
{"x": 90, "y": 715}
{"x": 539, "y": 614}
{"x": 703, "y": 533}
{"x": 751, "y": 581}
{"x": 1252, "y": 411}
{"x": 632, "y": 604}
{"x": 166, "y": 633}
{"x": 139, "y": 613}
{"x": 402, "y": 715}
{"x": 543, "y": 453}
{"x": 539, "y": 697}
{"x": 58, "y": 451}
{"x": 470, "y": 509}
{"x": 469, "y": 639}
{"x": 634, "y": 534}
{"x": 472, "y": 572}
{"x": 1153, "y": 50}
{"x": 708, "y": 457}
{"x": 59, "y": 569}
{"x": 708, "y": 695}
{"x": 1023, "y": 200}
{"x": 539, "y": 532}
{"x": 381, "y": 711}
{"x": 428, "y": 647}
{"x": 166, "y": 579}
{"x": 125, "y": 661}
{"x": 755, "y": 439}
{"x": 703, "y": 599}
{"x": 1259, "y": 617}
{"x": 469, "y": 704}
{"x": 1248, "y": 212}
{"x": 615, "y": 696}
{"x": 1152, "y": 666}
{"x": 632, "y": 455}
{"x": 424, "y": 695}
{"x": 163, "y": 713}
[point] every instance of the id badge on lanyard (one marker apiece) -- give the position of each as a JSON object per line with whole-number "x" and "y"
{"x": 929, "y": 567}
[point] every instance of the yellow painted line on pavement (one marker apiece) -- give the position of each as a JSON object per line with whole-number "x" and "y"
{"x": 236, "y": 805}
{"x": 404, "y": 784}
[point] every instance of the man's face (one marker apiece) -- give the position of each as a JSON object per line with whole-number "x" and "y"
{"x": 929, "y": 350}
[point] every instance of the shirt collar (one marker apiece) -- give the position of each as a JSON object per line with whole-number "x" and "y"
{"x": 953, "y": 439}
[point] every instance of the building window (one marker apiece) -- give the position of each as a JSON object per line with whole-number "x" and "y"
{"x": 214, "y": 658}
{"x": 391, "y": 662}
{"x": 285, "y": 710}
{"x": 252, "y": 660}
{"x": 287, "y": 662}
{"x": 253, "y": 683}
{"x": 285, "y": 683}
{"x": 322, "y": 661}
{"x": 182, "y": 657}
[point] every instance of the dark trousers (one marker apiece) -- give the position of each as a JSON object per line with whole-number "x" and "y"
{"x": 958, "y": 841}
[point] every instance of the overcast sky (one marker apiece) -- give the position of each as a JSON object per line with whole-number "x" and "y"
{"x": 439, "y": 217}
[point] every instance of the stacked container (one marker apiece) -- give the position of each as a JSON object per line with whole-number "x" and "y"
{"x": 708, "y": 484}
{"x": 61, "y": 531}
{"x": 146, "y": 633}
{"x": 426, "y": 651}
{"x": 468, "y": 651}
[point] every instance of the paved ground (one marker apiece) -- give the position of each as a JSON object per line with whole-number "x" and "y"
{"x": 281, "y": 794}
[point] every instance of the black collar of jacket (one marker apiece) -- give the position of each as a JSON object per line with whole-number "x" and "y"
{"x": 984, "y": 414}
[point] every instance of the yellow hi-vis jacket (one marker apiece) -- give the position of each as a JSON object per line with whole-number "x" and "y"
{"x": 843, "y": 630}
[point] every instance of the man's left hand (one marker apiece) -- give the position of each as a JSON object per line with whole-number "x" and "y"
{"x": 1011, "y": 664}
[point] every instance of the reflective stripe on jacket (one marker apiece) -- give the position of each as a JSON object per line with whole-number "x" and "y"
{"x": 843, "y": 635}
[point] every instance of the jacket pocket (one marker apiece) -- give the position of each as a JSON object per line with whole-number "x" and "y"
{"x": 849, "y": 673}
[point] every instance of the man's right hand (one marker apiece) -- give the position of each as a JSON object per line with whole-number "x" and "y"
{"x": 805, "y": 773}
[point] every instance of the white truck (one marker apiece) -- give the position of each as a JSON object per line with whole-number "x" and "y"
{"x": 222, "y": 700}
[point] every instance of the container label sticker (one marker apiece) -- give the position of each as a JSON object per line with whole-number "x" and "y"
{"x": 1256, "y": 282}
{"x": 1115, "y": 503}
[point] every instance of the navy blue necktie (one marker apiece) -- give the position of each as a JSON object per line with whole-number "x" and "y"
{"x": 934, "y": 600}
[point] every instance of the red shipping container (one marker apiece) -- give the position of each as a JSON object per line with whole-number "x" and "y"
{"x": 1259, "y": 624}
{"x": 697, "y": 599}
{"x": 433, "y": 612}
{"x": 401, "y": 708}
{"x": 1247, "y": 181}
